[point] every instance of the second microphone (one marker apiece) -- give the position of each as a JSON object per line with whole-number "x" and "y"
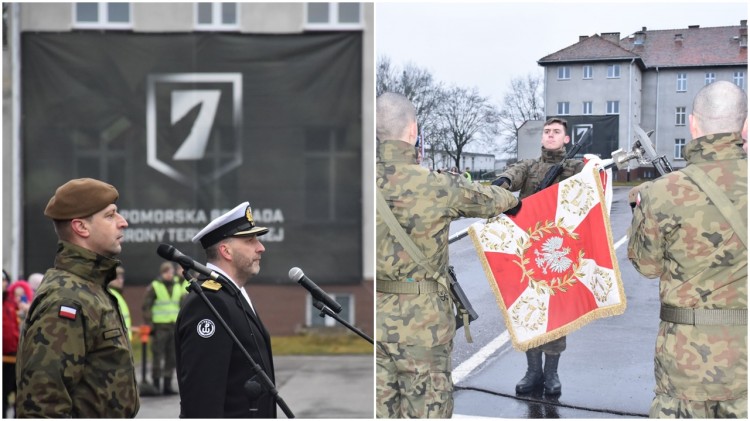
{"x": 296, "y": 275}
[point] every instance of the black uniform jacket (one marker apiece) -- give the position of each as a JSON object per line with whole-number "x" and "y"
{"x": 211, "y": 369}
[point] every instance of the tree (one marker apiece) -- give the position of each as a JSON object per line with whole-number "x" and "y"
{"x": 522, "y": 102}
{"x": 418, "y": 85}
{"x": 465, "y": 118}
{"x": 415, "y": 83}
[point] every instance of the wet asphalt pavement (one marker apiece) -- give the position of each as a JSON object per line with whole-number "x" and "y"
{"x": 324, "y": 386}
{"x": 606, "y": 371}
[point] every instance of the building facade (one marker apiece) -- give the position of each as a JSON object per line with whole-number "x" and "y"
{"x": 189, "y": 109}
{"x": 648, "y": 79}
{"x": 477, "y": 163}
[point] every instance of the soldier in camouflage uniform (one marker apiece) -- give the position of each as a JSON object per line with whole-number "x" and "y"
{"x": 415, "y": 329}
{"x": 679, "y": 235}
{"x": 525, "y": 176}
{"x": 74, "y": 356}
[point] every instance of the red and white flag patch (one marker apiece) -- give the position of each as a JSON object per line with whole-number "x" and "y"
{"x": 68, "y": 312}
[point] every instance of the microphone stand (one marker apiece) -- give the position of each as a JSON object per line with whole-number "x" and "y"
{"x": 324, "y": 310}
{"x": 257, "y": 370}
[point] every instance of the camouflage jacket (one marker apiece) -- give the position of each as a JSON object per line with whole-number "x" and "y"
{"x": 678, "y": 235}
{"x": 526, "y": 175}
{"x": 74, "y": 358}
{"x": 424, "y": 203}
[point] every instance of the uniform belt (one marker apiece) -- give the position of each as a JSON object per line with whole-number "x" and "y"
{"x": 397, "y": 287}
{"x": 704, "y": 316}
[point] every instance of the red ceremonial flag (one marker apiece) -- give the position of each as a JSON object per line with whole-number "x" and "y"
{"x": 552, "y": 266}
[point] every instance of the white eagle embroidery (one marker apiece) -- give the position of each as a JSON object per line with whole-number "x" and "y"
{"x": 554, "y": 257}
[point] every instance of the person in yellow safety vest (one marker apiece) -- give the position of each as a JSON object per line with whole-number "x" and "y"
{"x": 115, "y": 288}
{"x": 161, "y": 305}
{"x": 467, "y": 174}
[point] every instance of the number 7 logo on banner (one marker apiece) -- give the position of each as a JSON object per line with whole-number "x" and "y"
{"x": 183, "y": 93}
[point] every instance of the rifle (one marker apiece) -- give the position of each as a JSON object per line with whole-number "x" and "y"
{"x": 644, "y": 152}
{"x": 461, "y": 299}
{"x": 554, "y": 172}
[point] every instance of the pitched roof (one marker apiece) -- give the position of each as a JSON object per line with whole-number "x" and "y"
{"x": 593, "y": 48}
{"x": 688, "y": 47}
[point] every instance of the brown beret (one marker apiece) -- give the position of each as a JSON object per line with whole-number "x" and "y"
{"x": 80, "y": 198}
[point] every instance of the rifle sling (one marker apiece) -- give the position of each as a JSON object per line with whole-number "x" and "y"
{"x": 408, "y": 244}
{"x": 720, "y": 199}
{"x": 398, "y": 231}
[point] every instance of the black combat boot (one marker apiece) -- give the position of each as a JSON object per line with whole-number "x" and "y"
{"x": 534, "y": 376}
{"x": 552, "y": 385}
{"x": 168, "y": 386}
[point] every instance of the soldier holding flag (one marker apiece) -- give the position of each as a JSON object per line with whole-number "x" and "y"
{"x": 526, "y": 176}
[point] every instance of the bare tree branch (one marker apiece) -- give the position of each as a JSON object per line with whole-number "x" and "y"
{"x": 522, "y": 102}
{"x": 466, "y": 118}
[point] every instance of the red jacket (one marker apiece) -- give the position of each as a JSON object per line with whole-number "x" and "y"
{"x": 11, "y": 332}
{"x": 11, "y": 324}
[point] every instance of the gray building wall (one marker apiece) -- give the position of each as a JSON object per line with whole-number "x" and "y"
{"x": 660, "y": 100}
{"x": 530, "y": 139}
{"x": 598, "y": 90}
{"x": 648, "y": 98}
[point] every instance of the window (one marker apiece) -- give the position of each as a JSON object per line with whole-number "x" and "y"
{"x": 326, "y": 16}
{"x": 613, "y": 71}
{"x": 679, "y": 116}
{"x": 102, "y": 15}
{"x": 563, "y": 72}
{"x": 215, "y": 16}
{"x": 332, "y": 176}
{"x": 710, "y": 77}
{"x": 613, "y": 107}
{"x": 563, "y": 108}
{"x": 347, "y": 311}
{"x": 681, "y": 82}
{"x": 104, "y": 156}
{"x": 739, "y": 79}
{"x": 588, "y": 72}
{"x": 679, "y": 147}
{"x": 587, "y": 108}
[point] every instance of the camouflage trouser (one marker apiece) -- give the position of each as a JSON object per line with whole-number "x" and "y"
{"x": 664, "y": 406}
{"x": 553, "y": 348}
{"x": 163, "y": 350}
{"x": 413, "y": 381}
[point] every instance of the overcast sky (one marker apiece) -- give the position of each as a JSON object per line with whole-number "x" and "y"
{"x": 487, "y": 44}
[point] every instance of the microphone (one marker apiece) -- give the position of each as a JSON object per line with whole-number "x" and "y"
{"x": 296, "y": 274}
{"x": 170, "y": 253}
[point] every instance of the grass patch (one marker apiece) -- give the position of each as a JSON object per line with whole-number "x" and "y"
{"x": 320, "y": 344}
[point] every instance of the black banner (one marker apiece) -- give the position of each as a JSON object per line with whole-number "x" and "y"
{"x": 605, "y": 133}
{"x": 187, "y": 126}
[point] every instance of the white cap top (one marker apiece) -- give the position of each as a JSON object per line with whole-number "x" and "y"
{"x": 235, "y": 223}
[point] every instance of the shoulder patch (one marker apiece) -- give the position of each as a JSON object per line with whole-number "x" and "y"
{"x": 67, "y": 312}
{"x": 211, "y": 285}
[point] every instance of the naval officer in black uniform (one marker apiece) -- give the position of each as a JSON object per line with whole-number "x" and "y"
{"x": 212, "y": 372}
